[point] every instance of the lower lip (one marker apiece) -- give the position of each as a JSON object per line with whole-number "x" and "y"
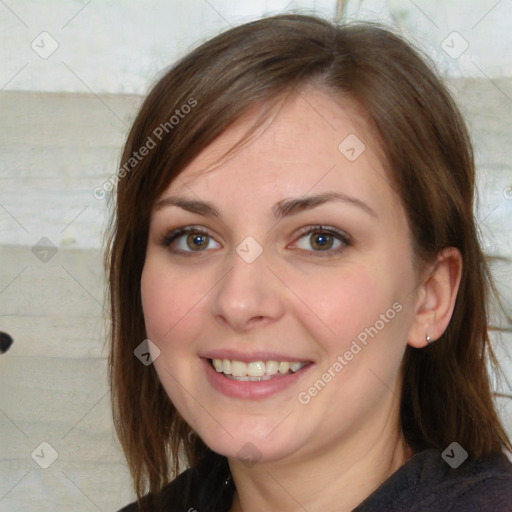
{"x": 248, "y": 389}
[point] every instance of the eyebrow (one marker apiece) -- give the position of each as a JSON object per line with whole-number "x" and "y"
{"x": 283, "y": 208}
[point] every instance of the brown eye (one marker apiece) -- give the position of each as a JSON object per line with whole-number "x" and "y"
{"x": 189, "y": 239}
{"x": 321, "y": 241}
{"x": 197, "y": 241}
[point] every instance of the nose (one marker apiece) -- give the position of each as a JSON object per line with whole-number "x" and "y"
{"x": 248, "y": 296}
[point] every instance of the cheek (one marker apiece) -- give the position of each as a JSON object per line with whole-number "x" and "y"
{"x": 345, "y": 303}
{"x": 359, "y": 313}
{"x": 169, "y": 300}
{"x": 171, "y": 303}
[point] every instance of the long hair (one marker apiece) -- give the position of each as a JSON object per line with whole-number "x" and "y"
{"x": 446, "y": 392}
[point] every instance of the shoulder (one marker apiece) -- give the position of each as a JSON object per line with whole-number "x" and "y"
{"x": 480, "y": 485}
{"x": 206, "y": 487}
{"x": 428, "y": 483}
{"x": 172, "y": 494}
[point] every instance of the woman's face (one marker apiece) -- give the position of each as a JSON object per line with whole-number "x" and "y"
{"x": 283, "y": 312}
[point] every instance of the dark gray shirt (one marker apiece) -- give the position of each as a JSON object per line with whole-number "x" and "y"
{"x": 425, "y": 483}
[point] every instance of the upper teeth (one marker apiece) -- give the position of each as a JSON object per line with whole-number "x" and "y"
{"x": 255, "y": 368}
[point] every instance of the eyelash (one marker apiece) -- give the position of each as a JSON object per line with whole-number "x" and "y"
{"x": 346, "y": 241}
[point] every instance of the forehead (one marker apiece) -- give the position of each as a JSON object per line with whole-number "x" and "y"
{"x": 313, "y": 143}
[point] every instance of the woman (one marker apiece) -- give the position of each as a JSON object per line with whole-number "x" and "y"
{"x": 299, "y": 299}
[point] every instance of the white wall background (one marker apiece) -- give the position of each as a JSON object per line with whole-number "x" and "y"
{"x": 63, "y": 118}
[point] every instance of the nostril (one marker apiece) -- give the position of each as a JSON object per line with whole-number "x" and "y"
{"x": 5, "y": 342}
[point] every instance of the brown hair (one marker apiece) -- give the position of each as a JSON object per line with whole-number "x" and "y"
{"x": 446, "y": 392}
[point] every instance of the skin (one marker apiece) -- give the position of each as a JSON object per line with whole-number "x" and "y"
{"x": 297, "y": 299}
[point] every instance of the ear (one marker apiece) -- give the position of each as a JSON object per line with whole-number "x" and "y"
{"x": 435, "y": 298}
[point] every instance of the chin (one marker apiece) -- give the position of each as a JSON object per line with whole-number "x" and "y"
{"x": 249, "y": 445}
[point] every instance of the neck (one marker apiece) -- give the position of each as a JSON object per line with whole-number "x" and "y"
{"x": 337, "y": 478}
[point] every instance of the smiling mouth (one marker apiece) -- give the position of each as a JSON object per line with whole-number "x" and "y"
{"x": 255, "y": 371}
